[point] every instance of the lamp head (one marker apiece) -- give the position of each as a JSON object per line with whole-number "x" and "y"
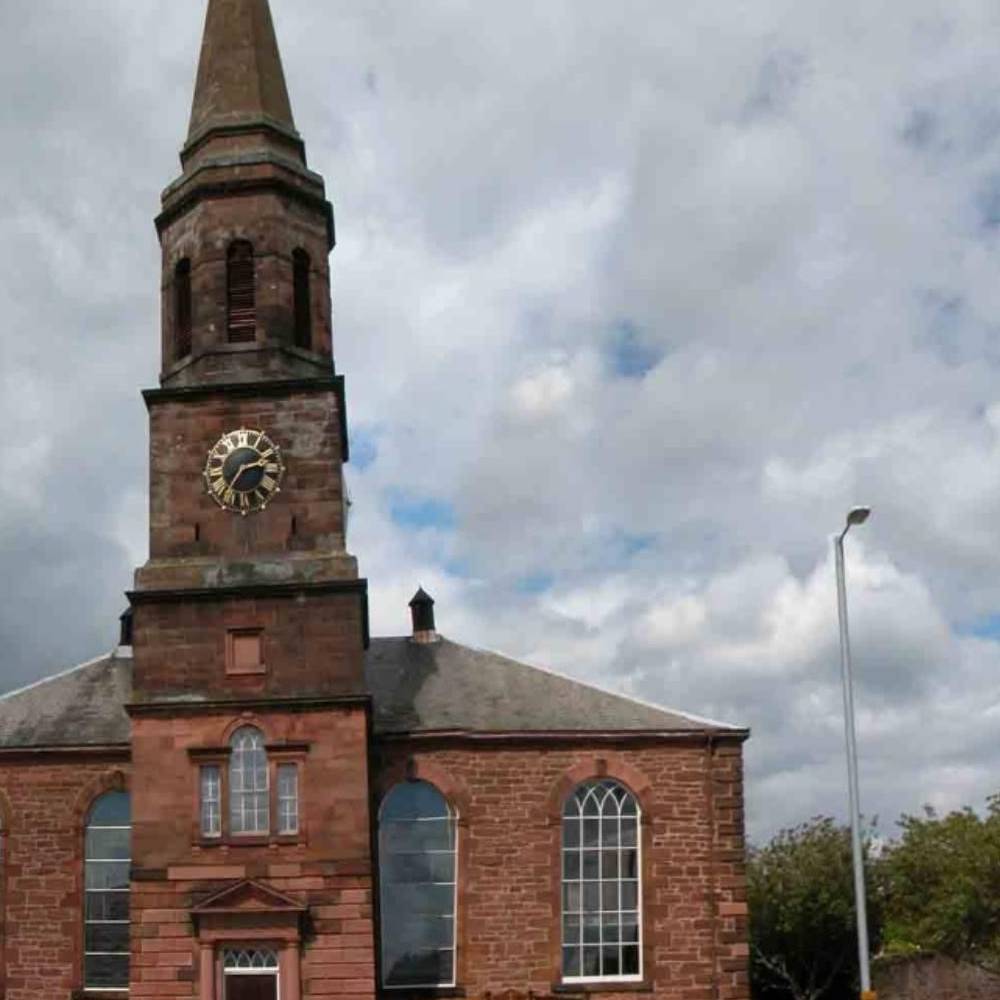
{"x": 858, "y": 515}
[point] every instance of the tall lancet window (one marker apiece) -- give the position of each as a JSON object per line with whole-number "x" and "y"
{"x": 106, "y": 904}
{"x": 601, "y": 910}
{"x": 417, "y": 858}
{"x": 241, "y": 293}
{"x": 249, "y": 790}
{"x": 182, "y": 309}
{"x": 303, "y": 299}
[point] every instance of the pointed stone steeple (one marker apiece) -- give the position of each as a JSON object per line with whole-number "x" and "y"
{"x": 240, "y": 78}
{"x": 246, "y": 228}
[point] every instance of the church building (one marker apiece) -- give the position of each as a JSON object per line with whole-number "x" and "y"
{"x": 251, "y": 798}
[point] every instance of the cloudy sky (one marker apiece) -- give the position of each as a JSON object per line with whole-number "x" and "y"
{"x": 634, "y": 301}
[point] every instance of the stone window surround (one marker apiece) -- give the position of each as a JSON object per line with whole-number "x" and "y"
{"x": 282, "y": 936}
{"x": 286, "y": 752}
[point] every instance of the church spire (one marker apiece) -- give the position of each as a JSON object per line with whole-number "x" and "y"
{"x": 246, "y": 229}
{"x": 240, "y": 78}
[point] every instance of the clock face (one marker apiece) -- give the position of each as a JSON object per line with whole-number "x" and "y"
{"x": 244, "y": 470}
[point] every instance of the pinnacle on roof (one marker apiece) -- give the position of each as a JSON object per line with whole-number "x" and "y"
{"x": 240, "y": 78}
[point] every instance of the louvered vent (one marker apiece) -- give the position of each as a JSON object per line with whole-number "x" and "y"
{"x": 182, "y": 309}
{"x": 242, "y": 293}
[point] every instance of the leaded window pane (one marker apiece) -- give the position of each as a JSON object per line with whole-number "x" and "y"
{"x": 600, "y": 875}
{"x": 249, "y": 959}
{"x": 249, "y": 795}
{"x": 107, "y": 851}
{"x": 288, "y": 798}
{"x": 211, "y": 801}
{"x": 417, "y": 842}
{"x": 106, "y": 971}
{"x": 104, "y": 875}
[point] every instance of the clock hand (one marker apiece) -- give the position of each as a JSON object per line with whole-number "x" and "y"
{"x": 258, "y": 464}
{"x": 243, "y": 468}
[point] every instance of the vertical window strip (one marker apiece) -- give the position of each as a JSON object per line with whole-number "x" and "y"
{"x": 211, "y": 801}
{"x": 601, "y": 884}
{"x": 107, "y": 862}
{"x": 182, "y": 309}
{"x": 248, "y": 783}
{"x": 302, "y": 299}
{"x": 288, "y": 798}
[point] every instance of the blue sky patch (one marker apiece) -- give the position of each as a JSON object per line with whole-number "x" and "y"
{"x": 535, "y": 583}
{"x": 988, "y": 202}
{"x": 410, "y": 511}
{"x": 364, "y": 448}
{"x": 628, "y": 354}
{"x": 986, "y": 627}
{"x": 634, "y": 544}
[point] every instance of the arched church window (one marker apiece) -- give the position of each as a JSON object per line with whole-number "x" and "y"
{"x": 107, "y": 858}
{"x": 417, "y": 867}
{"x": 601, "y": 890}
{"x": 241, "y": 292}
{"x": 182, "y": 309}
{"x": 248, "y": 783}
{"x": 303, "y": 300}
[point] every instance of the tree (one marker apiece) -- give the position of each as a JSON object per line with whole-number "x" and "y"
{"x": 803, "y": 935}
{"x": 943, "y": 886}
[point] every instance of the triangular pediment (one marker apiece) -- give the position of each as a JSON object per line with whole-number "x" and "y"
{"x": 248, "y": 896}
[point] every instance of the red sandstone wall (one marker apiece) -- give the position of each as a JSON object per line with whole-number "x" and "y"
{"x": 311, "y": 645}
{"x": 509, "y": 802}
{"x": 304, "y": 425}
{"x": 329, "y": 868}
{"x": 44, "y": 809}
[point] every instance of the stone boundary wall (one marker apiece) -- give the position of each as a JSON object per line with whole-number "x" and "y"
{"x": 933, "y": 977}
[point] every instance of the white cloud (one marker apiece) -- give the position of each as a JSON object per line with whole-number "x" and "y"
{"x": 646, "y": 301}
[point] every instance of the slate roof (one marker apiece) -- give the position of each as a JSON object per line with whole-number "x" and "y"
{"x": 440, "y": 687}
{"x": 444, "y": 686}
{"x": 84, "y": 706}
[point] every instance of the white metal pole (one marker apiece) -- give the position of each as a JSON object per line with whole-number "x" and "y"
{"x": 852, "y": 773}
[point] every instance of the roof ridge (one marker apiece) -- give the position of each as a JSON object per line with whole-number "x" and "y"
{"x": 56, "y": 677}
{"x": 701, "y": 719}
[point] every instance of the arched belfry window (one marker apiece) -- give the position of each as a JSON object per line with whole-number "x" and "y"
{"x": 417, "y": 869}
{"x": 182, "y": 309}
{"x": 241, "y": 292}
{"x": 248, "y": 783}
{"x": 303, "y": 299}
{"x": 107, "y": 859}
{"x": 601, "y": 890}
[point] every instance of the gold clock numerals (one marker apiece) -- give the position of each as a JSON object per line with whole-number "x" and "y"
{"x": 243, "y": 471}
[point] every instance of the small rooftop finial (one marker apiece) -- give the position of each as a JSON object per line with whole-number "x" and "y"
{"x": 240, "y": 78}
{"x": 422, "y": 612}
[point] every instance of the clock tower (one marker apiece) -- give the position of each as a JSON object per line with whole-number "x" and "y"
{"x": 249, "y": 617}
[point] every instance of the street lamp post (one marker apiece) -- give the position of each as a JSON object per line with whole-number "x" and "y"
{"x": 858, "y": 515}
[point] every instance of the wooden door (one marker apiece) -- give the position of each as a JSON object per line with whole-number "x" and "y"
{"x": 251, "y": 987}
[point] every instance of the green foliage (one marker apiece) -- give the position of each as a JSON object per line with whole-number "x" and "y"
{"x": 942, "y": 880}
{"x": 802, "y": 926}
